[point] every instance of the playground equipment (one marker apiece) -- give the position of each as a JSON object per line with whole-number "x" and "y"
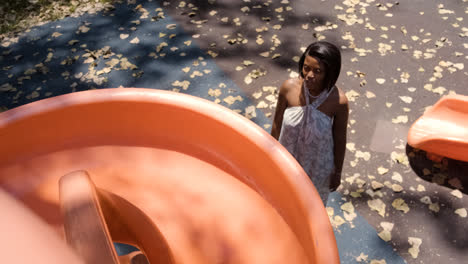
{"x": 443, "y": 129}
{"x": 182, "y": 179}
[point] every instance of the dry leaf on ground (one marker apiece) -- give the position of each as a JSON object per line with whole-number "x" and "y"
{"x": 377, "y": 205}
{"x": 415, "y": 244}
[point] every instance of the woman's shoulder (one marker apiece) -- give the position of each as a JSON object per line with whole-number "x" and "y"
{"x": 341, "y": 105}
{"x": 342, "y": 98}
{"x": 290, "y": 85}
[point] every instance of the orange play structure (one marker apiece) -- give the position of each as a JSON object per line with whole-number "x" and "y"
{"x": 443, "y": 129}
{"x": 181, "y": 178}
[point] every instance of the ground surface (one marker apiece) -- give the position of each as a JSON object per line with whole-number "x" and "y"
{"x": 394, "y": 205}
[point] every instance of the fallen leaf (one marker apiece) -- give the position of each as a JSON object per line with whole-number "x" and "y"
{"x": 275, "y": 56}
{"x": 415, "y": 243}
{"x": 426, "y": 200}
{"x": 364, "y": 155}
{"x": 294, "y": 74}
{"x": 439, "y": 178}
{"x": 351, "y": 179}
{"x": 386, "y": 234}
{"x": 439, "y": 90}
{"x": 434, "y": 207}
{"x": 456, "y": 183}
{"x": 380, "y": 80}
{"x": 376, "y": 185}
{"x": 135, "y": 41}
{"x": 330, "y": 211}
{"x": 351, "y": 147}
{"x": 381, "y": 170}
{"x": 212, "y": 53}
{"x": 397, "y": 177}
{"x": 338, "y": 221}
{"x": 161, "y": 46}
{"x": 171, "y": 26}
{"x": 400, "y": 205}
{"x": 73, "y": 42}
{"x": 125, "y": 64}
{"x": 250, "y": 112}
{"x": 421, "y": 188}
{"x": 426, "y": 171}
{"x": 370, "y": 94}
{"x": 83, "y": 29}
{"x": 362, "y": 257}
{"x": 257, "y": 95}
{"x": 348, "y": 207}
{"x": 183, "y": 84}
{"x": 461, "y": 212}
{"x": 457, "y": 193}
{"x": 6, "y": 87}
{"x": 262, "y": 105}
{"x": 260, "y": 40}
{"x": 400, "y": 119}
{"x": 377, "y": 205}
{"x": 352, "y": 95}
{"x": 231, "y": 99}
{"x": 214, "y": 92}
{"x": 271, "y": 98}
{"x": 248, "y": 79}
{"x": 406, "y": 99}
{"x": 399, "y": 158}
{"x": 248, "y": 62}
{"x": 397, "y": 188}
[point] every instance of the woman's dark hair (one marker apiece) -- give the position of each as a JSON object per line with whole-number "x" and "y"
{"x": 329, "y": 55}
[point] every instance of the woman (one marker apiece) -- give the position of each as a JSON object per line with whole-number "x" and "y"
{"x": 311, "y": 117}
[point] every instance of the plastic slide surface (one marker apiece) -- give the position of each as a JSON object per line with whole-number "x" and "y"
{"x": 443, "y": 129}
{"x": 216, "y": 186}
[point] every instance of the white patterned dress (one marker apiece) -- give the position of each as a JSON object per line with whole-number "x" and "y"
{"x": 307, "y": 134}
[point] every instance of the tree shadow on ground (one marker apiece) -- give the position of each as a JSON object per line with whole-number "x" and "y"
{"x": 226, "y": 36}
{"x": 51, "y": 60}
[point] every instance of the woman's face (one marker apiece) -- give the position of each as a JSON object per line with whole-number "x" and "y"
{"x": 314, "y": 73}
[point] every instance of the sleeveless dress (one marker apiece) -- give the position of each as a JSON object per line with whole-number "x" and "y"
{"x": 307, "y": 134}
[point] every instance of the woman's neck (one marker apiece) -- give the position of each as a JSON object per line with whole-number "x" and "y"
{"x": 312, "y": 92}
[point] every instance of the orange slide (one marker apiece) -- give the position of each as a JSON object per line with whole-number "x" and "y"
{"x": 443, "y": 129}
{"x": 181, "y": 178}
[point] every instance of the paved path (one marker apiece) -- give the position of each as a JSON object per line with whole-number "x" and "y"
{"x": 398, "y": 58}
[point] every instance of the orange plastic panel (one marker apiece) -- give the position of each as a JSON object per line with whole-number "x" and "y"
{"x": 25, "y": 238}
{"x": 443, "y": 129}
{"x": 216, "y": 185}
{"x": 92, "y": 217}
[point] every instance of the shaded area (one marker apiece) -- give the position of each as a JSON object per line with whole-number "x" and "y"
{"x": 132, "y": 46}
{"x": 21, "y": 14}
{"x": 233, "y": 29}
{"x": 448, "y": 172}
